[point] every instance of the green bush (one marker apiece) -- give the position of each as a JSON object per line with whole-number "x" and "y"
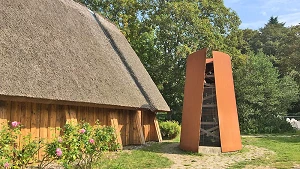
{"x": 12, "y": 155}
{"x": 80, "y": 145}
{"x": 263, "y": 96}
{"x": 169, "y": 129}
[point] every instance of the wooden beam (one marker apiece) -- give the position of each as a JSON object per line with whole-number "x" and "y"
{"x": 209, "y": 131}
{"x": 43, "y": 126}
{"x": 208, "y": 97}
{"x": 25, "y": 120}
{"x": 209, "y": 85}
{"x": 137, "y": 136}
{"x": 3, "y": 114}
{"x": 127, "y": 127}
{"x": 63, "y": 102}
{"x": 209, "y": 76}
{"x": 209, "y": 105}
{"x": 138, "y": 124}
{"x": 60, "y": 119}
{"x": 52, "y": 120}
{"x": 209, "y": 123}
{"x": 146, "y": 125}
{"x": 72, "y": 114}
{"x": 113, "y": 120}
{"x": 35, "y": 123}
{"x": 157, "y": 129}
{"x": 155, "y": 134}
{"x": 15, "y": 116}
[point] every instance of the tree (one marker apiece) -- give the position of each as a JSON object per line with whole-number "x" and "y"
{"x": 163, "y": 33}
{"x": 263, "y": 97}
{"x": 251, "y": 41}
{"x": 281, "y": 44}
{"x": 274, "y": 21}
{"x": 182, "y": 27}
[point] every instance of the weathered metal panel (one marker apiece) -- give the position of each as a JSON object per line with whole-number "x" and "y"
{"x": 192, "y": 102}
{"x": 227, "y": 110}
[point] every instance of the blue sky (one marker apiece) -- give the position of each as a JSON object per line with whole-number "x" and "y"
{"x": 255, "y": 13}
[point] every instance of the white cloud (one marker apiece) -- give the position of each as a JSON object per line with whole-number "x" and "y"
{"x": 290, "y": 19}
{"x": 256, "y": 13}
{"x": 264, "y": 13}
{"x": 279, "y": 5}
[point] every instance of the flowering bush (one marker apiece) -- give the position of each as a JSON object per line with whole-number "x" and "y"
{"x": 80, "y": 145}
{"x": 11, "y": 154}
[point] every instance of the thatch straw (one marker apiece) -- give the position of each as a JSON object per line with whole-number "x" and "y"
{"x": 56, "y": 49}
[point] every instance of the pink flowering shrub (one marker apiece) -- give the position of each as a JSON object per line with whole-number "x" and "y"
{"x": 15, "y": 123}
{"x": 80, "y": 145}
{"x": 92, "y": 141}
{"x": 6, "y": 165}
{"x": 11, "y": 154}
{"x": 81, "y": 131}
{"x": 59, "y": 139}
{"x": 58, "y": 152}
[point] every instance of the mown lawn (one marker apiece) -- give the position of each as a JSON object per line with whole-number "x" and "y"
{"x": 146, "y": 157}
{"x": 286, "y": 154}
{"x": 286, "y": 149}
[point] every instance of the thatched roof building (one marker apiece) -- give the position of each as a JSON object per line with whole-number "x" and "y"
{"x": 60, "y": 62}
{"x": 58, "y": 50}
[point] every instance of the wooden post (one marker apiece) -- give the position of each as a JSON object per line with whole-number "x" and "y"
{"x": 155, "y": 130}
{"x": 34, "y": 123}
{"x": 127, "y": 127}
{"x": 122, "y": 125}
{"x": 113, "y": 116}
{"x": 27, "y": 124}
{"x": 25, "y": 115}
{"x": 43, "y": 127}
{"x": 72, "y": 114}
{"x": 3, "y": 113}
{"x": 90, "y": 116}
{"x": 146, "y": 125}
{"x": 52, "y": 121}
{"x": 60, "y": 119}
{"x": 137, "y": 136}
{"x": 16, "y": 116}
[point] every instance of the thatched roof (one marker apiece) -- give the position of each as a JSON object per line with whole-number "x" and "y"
{"x": 59, "y": 50}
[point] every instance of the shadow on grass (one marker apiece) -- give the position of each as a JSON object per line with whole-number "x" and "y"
{"x": 168, "y": 147}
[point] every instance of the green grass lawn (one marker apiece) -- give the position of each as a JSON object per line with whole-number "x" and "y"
{"x": 135, "y": 159}
{"x": 286, "y": 148}
{"x": 147, "y": 157}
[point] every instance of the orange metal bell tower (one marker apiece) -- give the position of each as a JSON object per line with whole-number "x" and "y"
{"x": 209, "y": 116}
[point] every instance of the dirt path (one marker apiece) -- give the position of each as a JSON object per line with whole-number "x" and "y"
{"x": 180, "y": 160}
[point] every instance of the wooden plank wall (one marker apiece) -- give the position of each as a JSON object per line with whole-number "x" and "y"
{"x": 150, "y": 126}
{"x": 44, "y": 120}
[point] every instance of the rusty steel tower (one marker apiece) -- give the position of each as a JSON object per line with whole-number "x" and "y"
{"x": 209, "y": 116}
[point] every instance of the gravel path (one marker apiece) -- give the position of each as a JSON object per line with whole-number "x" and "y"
{"x": 180, "y": 160}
